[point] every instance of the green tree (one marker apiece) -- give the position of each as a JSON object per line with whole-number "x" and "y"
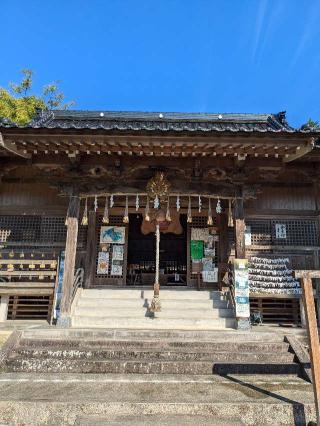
{"x": 311, "y": 124}
{"x": 19, "y": 105}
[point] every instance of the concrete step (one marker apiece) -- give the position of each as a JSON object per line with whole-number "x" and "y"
{"x": 66, "y": 399}
{"x": 151, "y": 355}
{"x": 182, "y": 294}
{"x": 49, "y": 365}
{"x": 123, "y": 303}
{"x": 103, "y": 344}
{"x": 211, "y": 336}
{"x": 139, "y": 312}
{"x": 152, "y": 323}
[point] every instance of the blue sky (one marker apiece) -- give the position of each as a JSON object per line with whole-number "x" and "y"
{"x": 169, "y": 55}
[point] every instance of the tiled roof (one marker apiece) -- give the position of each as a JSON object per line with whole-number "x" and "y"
{"x": 160, "y": 122}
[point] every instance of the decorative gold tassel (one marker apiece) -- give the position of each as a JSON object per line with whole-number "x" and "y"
{"x": 230, "y": 218}
{"x": 189, "y": 215}
{"x": 210, "y": 220}
{"x": 105, "y": 219}
{"x": 147, "y": 211}
{"x": 168, "y": 216}
{"x": 126, "y": 212}
{"x": 84, "y": 221}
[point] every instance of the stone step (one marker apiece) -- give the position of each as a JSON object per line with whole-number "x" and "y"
{"x": 183, "y": 294}
{"x": 139, "y": 312}
{"x": 153, "y": 355}
{"x": 49, "y": 365}
{"x": 65, "y": 399}
{"x": 80, "y": 343}
{"x": 153, "y": 323}
{"x": 123, "y": 303}
{"x": 230, "y": 336}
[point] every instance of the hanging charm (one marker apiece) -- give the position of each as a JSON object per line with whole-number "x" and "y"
{"x": 200, "y": 204}
{"x": 230, "y": 218}
{"x": 210, "y": 220}
{"x": 84, "y": 221}
{"x": 111, "y": 201}
{"x": 156, "y": 202}
{"x": 95, "y": 203}
{"x": 218, "y": 207}
{"x": 178, "y": 203}
{"x": 168, "y": 216}
{"x": 126, "y": 212}
{"x": 105, "y": 218}
{"x": 137, "y": 203}
{"x": 147, "y": 211}
{"x": 189, "y": 215}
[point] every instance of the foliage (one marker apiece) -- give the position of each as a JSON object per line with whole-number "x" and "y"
{"x": 311, "y": 124}
{"x": 20, "y": 106}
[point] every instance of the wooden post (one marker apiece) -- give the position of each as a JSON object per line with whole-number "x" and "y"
{"x": 70, "y": 260}
{"x": 223, "y": 248}
{"x": 90, "y": 264}
{"x": 312, "y": 330}
{"x": 240, "y": 226}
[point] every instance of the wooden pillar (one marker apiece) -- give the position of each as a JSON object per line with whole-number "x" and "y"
{"x": 240, "y": 226}
{"x": 4, "y": 307}
{"x": 90, "y": 265}
{"x": 223, "y": 247}
{"x": 70, "y": 260}
{"x": 312, "y": 330}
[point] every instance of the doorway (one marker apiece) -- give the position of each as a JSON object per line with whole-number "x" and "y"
{"x": 141, "y": 255}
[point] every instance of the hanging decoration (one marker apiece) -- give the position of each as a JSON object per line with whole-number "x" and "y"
{"x": 126, "y": 212}
{"x": 158, "y": 188}
{"x": 178, "y": 203}
{"x": 168, "y": 216}
{"x": 189, "y": 214}
{"x": 200, "y": 204}
{"x": 218, "y": 207}
{"x": 111, "y": 201}
{"x": 230, "y": 218}
{"x": 210, "y": 220}
{"x": 147, "y": 211}
{"x": 84, "y": 221}
{"x": 95, "y": 203}
{"x": 105, "y": 219}
{"x": 137, "y": 203}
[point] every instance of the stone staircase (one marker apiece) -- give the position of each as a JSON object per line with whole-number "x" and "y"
{"x": 161, "y": 377}
{"x": 182, "y": 309}
{"x": 151, "y": 352}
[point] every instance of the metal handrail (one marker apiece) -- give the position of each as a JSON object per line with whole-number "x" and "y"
{"x": 77, "y": 282}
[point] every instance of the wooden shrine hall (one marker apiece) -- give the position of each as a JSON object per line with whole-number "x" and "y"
{"x": 99, "y": 200}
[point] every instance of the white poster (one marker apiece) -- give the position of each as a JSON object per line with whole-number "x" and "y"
{"x": 117, "y": 252}
{"x": 247, "y": 236}
{"x": 241, "y": 279}
{"x": 210, "y": 276}
{"x": 281, "y": 231}
{"x": 116, "y": 269}
{"x": 103, "y": 263}
{"x": 113, "y": 234}
{"x": 200, "y": 234}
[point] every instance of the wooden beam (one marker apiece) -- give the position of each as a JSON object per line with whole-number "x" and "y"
{"x": 10, "y": 147}
{"x": 299, "y": 152}
{"x": 70, "y": 259}
{"x": 312, "y": 330}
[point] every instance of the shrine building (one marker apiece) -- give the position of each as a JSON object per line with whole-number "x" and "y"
{"x": 98, "y": 204}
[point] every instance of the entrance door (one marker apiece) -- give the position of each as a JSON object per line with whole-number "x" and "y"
{"x": 141, "y": 255}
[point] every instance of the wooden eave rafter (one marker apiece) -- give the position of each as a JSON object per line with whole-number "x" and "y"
{"x": 12, "y": 148}
{"x": 284, "y": 146}
{"x": 300, "y": 151}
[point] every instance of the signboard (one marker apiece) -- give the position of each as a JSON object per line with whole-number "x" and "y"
{"x": 247, "y": 236}
{"x": 241, "y": 286}
{"x": 281, "y": 231}
{"x": 210, "y": 276}
{"x": 196, "y": 250}
{"x": 112, "y": 234}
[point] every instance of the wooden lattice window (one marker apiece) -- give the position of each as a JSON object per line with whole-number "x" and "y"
{"x": 34, "y": 230}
